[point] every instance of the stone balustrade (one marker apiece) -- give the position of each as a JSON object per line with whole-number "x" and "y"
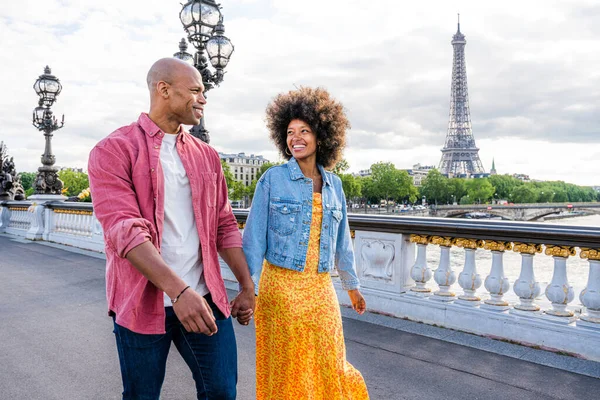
{"x": 72, "y": 224}
{"x": 397, "y": 279}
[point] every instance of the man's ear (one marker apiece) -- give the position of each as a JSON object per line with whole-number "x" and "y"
{"x": 163, "y": 88}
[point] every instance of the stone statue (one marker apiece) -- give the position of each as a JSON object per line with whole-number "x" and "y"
{"x": 10, "y": 182}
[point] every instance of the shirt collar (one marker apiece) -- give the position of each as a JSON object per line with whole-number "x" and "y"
{"x": 151, "y": 129}
{"x": 296, "y": 172}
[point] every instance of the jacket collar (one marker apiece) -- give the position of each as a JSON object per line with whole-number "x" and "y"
{"x": 151, "y": 129}
{"x": 296, "y": 172}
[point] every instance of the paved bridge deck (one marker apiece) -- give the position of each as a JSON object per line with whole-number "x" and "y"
{"x": 57, "y": 343}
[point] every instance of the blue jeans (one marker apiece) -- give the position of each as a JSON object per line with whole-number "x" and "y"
{"x": 212, "y": 359}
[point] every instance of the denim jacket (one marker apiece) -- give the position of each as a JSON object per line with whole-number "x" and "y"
{"x": 278, "y": 225}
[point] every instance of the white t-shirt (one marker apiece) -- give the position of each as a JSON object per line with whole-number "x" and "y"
{"x": 180, "y": 246}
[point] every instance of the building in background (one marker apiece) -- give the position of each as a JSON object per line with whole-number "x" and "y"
{"x": 493, "y": 170}
{"x": 243, "y": 167}
{"x": 419, "y": 172}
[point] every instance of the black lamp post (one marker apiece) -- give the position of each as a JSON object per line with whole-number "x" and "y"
{"x": 47, "y": 87}
{"x": 203, "y": 23}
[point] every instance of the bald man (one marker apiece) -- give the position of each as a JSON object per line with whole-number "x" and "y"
{"x": 161, "y": 197}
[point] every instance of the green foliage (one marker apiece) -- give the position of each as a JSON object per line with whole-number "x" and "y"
{"x": 480, "y": 190}
{"x": 27, "y": 179}
{"x": 341, "y": 167}
{"x": 457, "y": 188}
{"x": 523, "y": 194}
{"x": 74, "y": 182}
{"x": 466, "y": 199}
{"x": 435, "y": 187}
{"x": 351, "y": 185}
{"x": 29, "y": 192}
{"x": 388, "y": 183}
{"x": 504, "y": 185}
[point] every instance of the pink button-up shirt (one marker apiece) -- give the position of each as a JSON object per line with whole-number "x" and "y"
{"x": 127, "y": 187}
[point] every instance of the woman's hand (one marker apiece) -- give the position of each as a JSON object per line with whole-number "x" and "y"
{"x": 358, "y": 301}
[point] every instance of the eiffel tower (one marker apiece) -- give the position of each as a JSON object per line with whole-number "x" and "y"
{"x": 460, "y": 156}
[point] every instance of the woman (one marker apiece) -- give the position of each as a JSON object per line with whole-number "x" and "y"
{"x": 298, "y": 226}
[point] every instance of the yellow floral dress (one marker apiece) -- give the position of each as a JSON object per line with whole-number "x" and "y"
{"x": 300, "y": 350}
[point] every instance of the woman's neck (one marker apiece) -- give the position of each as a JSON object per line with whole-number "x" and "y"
{"x": 309, "y": 167}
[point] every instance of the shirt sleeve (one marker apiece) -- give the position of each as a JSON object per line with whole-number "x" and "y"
{"x": 255, "y": 232}
{"x": 228, "y": 233}
{"x": 115, "y": 202}
{"x": 344, "y": 256}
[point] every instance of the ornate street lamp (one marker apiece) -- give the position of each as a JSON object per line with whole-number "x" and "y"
{"x": 48, "y": 88}
{"x": 203, "y": 22}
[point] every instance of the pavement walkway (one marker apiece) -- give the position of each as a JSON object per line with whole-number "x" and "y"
{"x": 56, "y": 342}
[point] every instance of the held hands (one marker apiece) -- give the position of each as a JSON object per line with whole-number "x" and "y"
{"x": 242, "y": 307}
{"x": 358, "y": 301}
{"x": 195, "y": 313}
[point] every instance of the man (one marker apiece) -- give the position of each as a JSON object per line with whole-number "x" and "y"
{"x": 161, "y": 197}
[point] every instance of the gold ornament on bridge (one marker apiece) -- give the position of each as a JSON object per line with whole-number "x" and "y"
{"x": 560, "y": 251}
{"x": 420, "y": 239}
{"x": 469, "y": 243}
{"x": 494, "y": 245}
{"x": 352, "y": 233}
{"x": 445, "y": 241}
{"x": 590, "y": 254}
{"x": 527, "y": 248}
{"x": 241, "y": 225}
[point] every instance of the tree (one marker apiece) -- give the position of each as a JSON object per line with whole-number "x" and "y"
{"x": 480, "y": 190}
{"x": 351, "y": 186}
{"x": 341, "y": 167}
{"x": 456, "y": 189}
{"x": 435, "y": 187}
{"x": 27, "y": 179}
{"x": 74, "y": 182}
{"x": 524, "y": 194}
{"x": 504, "y": 185}
{"x": 390, "y": 183}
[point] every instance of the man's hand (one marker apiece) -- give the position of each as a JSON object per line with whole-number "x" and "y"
{"x": 195, "y": 313}
{"x": 242, "y": 307}
{"x": 358, "y": 301}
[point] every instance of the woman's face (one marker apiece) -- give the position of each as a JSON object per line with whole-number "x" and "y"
{"x": 301, "y": 140}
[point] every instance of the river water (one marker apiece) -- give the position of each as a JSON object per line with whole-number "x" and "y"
{"x": 543, "y": 265}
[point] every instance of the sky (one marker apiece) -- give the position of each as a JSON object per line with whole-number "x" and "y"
{"x": 533, "y": 71}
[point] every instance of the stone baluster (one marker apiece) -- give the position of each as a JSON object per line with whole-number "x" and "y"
{"x": 420, "y": 271}
{"x": 4, "y": 218}
{"x": 469, "y": 280}
{"x": 558, "y": 291}
{"x": 80, "y": 223}
{"x": 590, "y": 295}
{"x": 496, "y": 283}
{"x": 526, "y": 287}
{"x": 443, "y": 275}
{"x": 36, "y": 229}
{"x": 89, "y": 221}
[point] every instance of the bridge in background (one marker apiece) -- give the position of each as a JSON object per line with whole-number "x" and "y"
{"x": 516, "y": 212}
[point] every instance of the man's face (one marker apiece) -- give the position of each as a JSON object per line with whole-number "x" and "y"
{"x": 187, "y": 100}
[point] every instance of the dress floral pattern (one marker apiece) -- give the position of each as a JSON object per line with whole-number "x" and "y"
{"x": 300, "y": 350}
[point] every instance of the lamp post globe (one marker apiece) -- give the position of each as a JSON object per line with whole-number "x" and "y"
{"x": 203, "y": 22}
{"x": 47, "y": 87}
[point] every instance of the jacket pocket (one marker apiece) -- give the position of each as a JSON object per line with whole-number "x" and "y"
{"x": 283, "y": 218}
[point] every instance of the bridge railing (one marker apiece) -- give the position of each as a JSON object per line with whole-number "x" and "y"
{"x": 398, "y": 278}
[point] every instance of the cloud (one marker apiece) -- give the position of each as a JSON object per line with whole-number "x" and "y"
{"x": 534, "y": 86}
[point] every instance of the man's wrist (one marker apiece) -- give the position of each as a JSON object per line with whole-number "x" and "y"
{"x": 247, "y": 286}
